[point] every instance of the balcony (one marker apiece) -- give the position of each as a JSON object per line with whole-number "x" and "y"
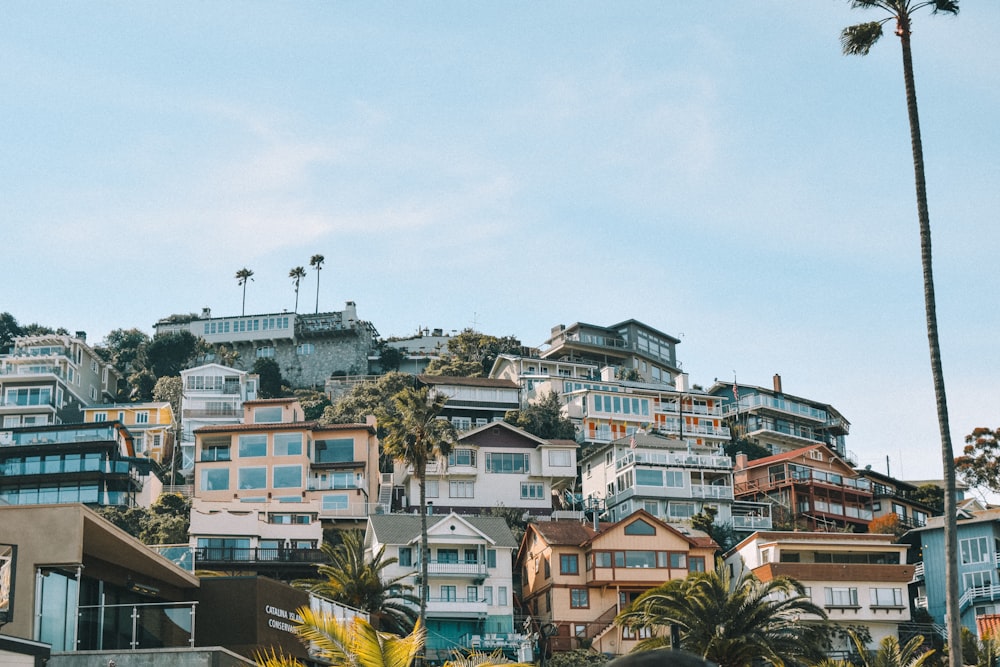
{"x": 758, "y": 401}
{"x": 979, "y": 594}
{"x": 455, "y": 608}
{"x": 716, "y": 491}
{"x": 352, "y": 511}
{"x": 674, "y": 459}
{"x": 918, "y": 571}
{"x": 436, "y": 568}
{"x": 751, "y": 522}
{"x": 489, "y": 642}
{"x": 267, "y": 561}
{"x": 146, "y": 626}
{"x": 32, "y": 370}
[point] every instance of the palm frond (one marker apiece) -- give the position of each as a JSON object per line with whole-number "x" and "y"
{"x": 858, "y": 40}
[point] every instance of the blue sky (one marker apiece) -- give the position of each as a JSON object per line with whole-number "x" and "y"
{"x": 724, "y": 175}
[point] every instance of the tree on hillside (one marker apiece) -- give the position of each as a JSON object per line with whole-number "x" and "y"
{"x": 9, "y": 329}
{"x": 543, "y": 419}
{"x": 732, "y": 622}
{"x": 122, "y": 348}
{"x": 270, "y": 383}
{"x": 979, "y": 464}
{"x": 858, "y": 40}
{"x": 415, "y": 437}
{"x": 931, "y": 495}
{"x": 316, "y": 262}
{"x": 366, "y": 398}
{"x": 166, "y": 521}
{"x": 243, "y": 276}
{"x": 471, "y": 354}
{"x": 313, "y": 403}
{"x": 169, "y": 354}
{"x": 170, "y": 389}
{"x": 297, "y": 274}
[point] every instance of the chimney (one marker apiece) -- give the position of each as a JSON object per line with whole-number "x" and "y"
{"x": 206, "y": 313}
{"x": 741, "y": 461}
{"x": 777, "y": 383}
{"x": 681, "y": 382}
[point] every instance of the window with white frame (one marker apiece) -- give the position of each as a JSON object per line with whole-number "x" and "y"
{"x": 532, "y": 491}
{"x": 265, "y": 352}
{"x": 841, "y": 596}
{"x": 305, "y": 349}
{"x": 974, "y": 550}
{"x": 886, "y": 597}
{"x": 431, "y": 489}
{"x": 100, "y": 416}
{"x": 978, "y": 579}
{"x": 560, "y": 458}
{"x": 461, "y": 423}
{"x": 142, "y": 417}
{"x": 461, "y": 489}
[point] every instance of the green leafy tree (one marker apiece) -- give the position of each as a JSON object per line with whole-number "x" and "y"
{"x": 297, "y": 274}
{"x": 166, "y": 521}
{"x": 543, "y": 419}
{"x": 170, "y": 389}
{"x": 9, "y": 330}
{"x": 931, "y": 495}
{"x": 389, "y": 357}
{"x": 515, "y": 518}
{"x": 366, "y": 398}
{"x": 979, "y": 464}
{"x": 733, "y": 623}
{"x": 578, "y": 657}
{"x": 316, "y": 262}
{"x": 169, "y": 354}
{"x": 354, "y": 644}
{"x": 122, "y": 348}
{"x": 270, "y": 382}
{"x": 858, "y": 40}
{"x": 415, "y": 437}
{"x": 243, "y": 276}
{"x": 313, "y": 403}
{"x": 349, "y": 578}
{"x": 471, "y": 354}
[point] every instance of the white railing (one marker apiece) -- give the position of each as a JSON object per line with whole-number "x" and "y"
{"x": 751, "y": 522}
{"x": 711, "y": 491}
{"x": 988, "y": 592}
{"x": 675, "y": 459}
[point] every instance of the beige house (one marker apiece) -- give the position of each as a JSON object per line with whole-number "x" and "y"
{"x": 576, "y": 579}
{"x": 152, "y": 426}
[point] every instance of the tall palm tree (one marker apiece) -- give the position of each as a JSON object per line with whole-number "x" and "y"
{"x": 354, "y": 644}
{"x": 889, "y": 654}
{"x": 415, "y": 436}
{"x": 349, "y": 578}
{"x": 858, "y": 40}
{"x": 316, "y": 261}
{"x": 731, "y": 622}
{"x": 242, "y": 276}
{"x": 297, "y": 274}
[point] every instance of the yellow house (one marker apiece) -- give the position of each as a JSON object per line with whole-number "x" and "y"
{"x": 576, "y": 579}
{"x": 152, "y": 425}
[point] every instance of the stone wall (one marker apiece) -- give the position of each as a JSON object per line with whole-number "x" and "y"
{"x": 343, "y": 352}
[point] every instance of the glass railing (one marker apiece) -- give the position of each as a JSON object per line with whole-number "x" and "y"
{"x": 674, "y": 459}
{"x": 96, "y": 434}
{"x": 181, "y": 555}
{"x": 136, "y": 626}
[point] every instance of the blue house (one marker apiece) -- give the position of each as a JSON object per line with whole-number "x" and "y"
{"x": 978, "y": 565}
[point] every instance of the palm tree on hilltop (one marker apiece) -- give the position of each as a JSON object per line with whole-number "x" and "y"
{"x": 858, "y": 40}
{"x": 297, "y": 274}
{"x": 316, "y": 261}
{"x": 242, "y": 276}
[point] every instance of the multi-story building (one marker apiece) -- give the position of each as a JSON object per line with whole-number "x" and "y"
{"x": 307, "y": 348}
{"x": 265, "y": 488}
{"x": 537, "y": 377}
{"x": 812, "y": 487}
{"x": 576, "y": 579}
{"x": 212, "y": 394}
{"x": 859, "y": 580}
{"x": 891, "y": 496}
{"x": 978, "y": 538}
{"x": 93, "y": 464}
{"x": 473, "y": 402}
{"x": 631, "y": 345}
{"x": 469, "y": 587}
{"x": 50, "y": 378}
{"x": 779, "y": 421}
{"x": 152, "y": 426}
{"x": 491, "y": 465}
{"x": 670, "y": 479}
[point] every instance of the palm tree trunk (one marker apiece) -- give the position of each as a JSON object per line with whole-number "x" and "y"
{"x": 296, "y": 298}
{"x": 953, "y": 617}
{"x": 317, "y": 289}
{"x": 244, "y": 310}
{"x": 425, "y": 552}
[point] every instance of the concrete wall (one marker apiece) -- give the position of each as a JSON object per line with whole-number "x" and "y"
{"x": 195, "y": 657}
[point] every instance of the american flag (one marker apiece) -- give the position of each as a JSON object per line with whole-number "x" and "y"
{"x": 736, "y": 392}
{"x": 631, "y": 441}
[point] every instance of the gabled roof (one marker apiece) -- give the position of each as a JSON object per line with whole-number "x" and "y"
{"x": 794, "y": 454}
{"x": 502, "y": 424}
{"x": 568, "y": 532}
{"x": 466, "y": 381}
{"x": 695, "y": 538}
{"x": 405, "y": 528}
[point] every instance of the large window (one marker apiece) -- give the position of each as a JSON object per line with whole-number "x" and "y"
{"x": 560, "y": 458}
{"x": 253, "y": 478}
{"x": 461, "y": 489}
{"x": 335, "y": 501}
{"x": 340, "y": 450}
{"x": 504, "y": 462}
{"x": 287, "y": 477}
{"x": 532, "y": 490}
{"x": 449, "y": 594}
{"x": 569, "y": 564}
{"x": 447, "y": 555}
{"x": 268, "y": 415}
{"x": 462, "y": 457}
{"x": 974, "y": 550}
{"x": 253, "y": 446}
{"x": 406, "y": 556}
{"x": 579, "y": 598}
{"x": 841, "y": 597}
{"x": 215, "y": 479}
{"x": 30, "y": 396}
{"x": 887, "y": 597}
{"x": 287, "y": 444}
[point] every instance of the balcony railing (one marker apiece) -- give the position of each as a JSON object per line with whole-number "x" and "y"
{"x": 352, "y": 510}
{"x": 717, "y": 491}
{"x": 918, "y": 572}
{"x": 21, "y": 370}
{"x": 250, "y": 555}
{"x": 456, "y": 606}
{"x": 439, "y": 568}
{"x": 978, "y": 593}
{"x": 780, "y": 404}
{"x": 136, "y": 626}
{"x": 751, "y": 522}
{"x": 64, "y": 467}
{"x": 494, "y": 641}
{"x": 674, "y": 459}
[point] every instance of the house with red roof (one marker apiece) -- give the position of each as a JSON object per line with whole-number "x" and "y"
{"x": 811, "y": 488}
{"x": 576, "y": 577}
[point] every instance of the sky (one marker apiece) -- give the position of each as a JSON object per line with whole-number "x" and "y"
{"x": 723, "y": 174}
